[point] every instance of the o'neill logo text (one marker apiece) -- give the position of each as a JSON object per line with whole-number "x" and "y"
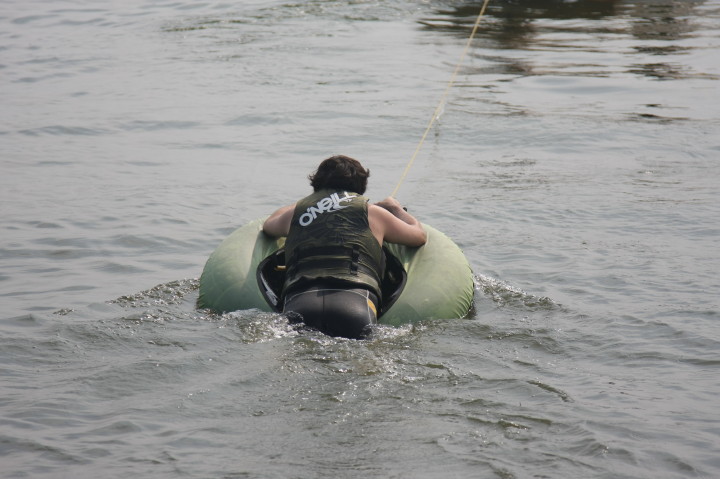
{"x": 329, "y": 203}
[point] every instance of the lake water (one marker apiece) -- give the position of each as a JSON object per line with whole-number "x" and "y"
{"x": 576, "y": 162}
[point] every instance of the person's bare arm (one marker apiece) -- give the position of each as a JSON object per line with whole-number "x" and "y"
{"x": 390, "y": 222}
{"x": 278, "y": 223}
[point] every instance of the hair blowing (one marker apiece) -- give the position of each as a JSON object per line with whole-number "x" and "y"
{"x": 342, "y": 173}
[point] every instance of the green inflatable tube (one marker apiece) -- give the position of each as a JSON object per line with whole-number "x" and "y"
{"x": 439, "y": 279}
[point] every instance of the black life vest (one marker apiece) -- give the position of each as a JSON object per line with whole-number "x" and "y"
{"x": 330, "y": 239}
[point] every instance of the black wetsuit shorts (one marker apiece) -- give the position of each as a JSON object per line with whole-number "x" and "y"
{"x": 333, "y": 309}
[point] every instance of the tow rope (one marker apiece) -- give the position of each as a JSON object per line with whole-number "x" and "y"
{"x": 438, "y": 110}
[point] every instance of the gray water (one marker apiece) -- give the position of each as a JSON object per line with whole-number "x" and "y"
{"x": 575, "y": 161}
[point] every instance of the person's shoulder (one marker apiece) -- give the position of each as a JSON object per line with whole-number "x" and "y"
{"x": 380, "y": 213}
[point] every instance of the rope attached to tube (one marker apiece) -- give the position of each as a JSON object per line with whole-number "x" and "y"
{"x": 439, "y": 108}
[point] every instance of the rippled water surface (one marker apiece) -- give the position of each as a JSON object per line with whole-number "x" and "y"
{"x": 575, "y": 161}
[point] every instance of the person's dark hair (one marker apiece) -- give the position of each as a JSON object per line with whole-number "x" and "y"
{"x": 342, "y": 173}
